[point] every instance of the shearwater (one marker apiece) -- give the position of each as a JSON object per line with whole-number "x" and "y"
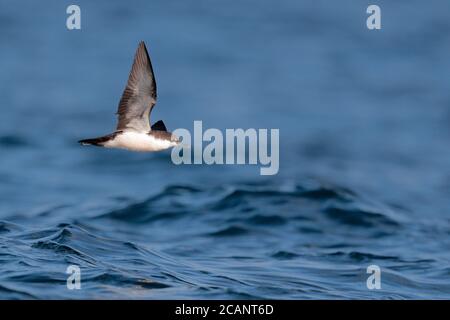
{"x": 138, "y": 99}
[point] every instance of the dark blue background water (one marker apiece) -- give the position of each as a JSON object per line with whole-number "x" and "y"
{"x": 364, "y": 120}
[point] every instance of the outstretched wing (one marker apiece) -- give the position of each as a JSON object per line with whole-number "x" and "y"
{"x": 139, "y": 96}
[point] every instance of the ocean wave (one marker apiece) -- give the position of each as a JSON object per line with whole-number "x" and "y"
{"x": 256, "y": 205}
{"x": 247, "y": 240}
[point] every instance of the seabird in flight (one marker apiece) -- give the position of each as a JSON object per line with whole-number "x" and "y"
{"x": 138, "y": 99}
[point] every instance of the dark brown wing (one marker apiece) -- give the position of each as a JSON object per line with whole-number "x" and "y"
{"x": 139, "y": 96}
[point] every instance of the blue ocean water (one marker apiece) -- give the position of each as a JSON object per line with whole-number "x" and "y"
{"x": 364, "y": 176}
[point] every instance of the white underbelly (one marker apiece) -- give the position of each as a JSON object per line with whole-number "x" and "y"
{"x": 136, "y": 141}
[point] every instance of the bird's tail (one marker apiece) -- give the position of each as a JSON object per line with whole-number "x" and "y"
{"x": 99, "y": 142}
{"x": 93, "y": 142}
